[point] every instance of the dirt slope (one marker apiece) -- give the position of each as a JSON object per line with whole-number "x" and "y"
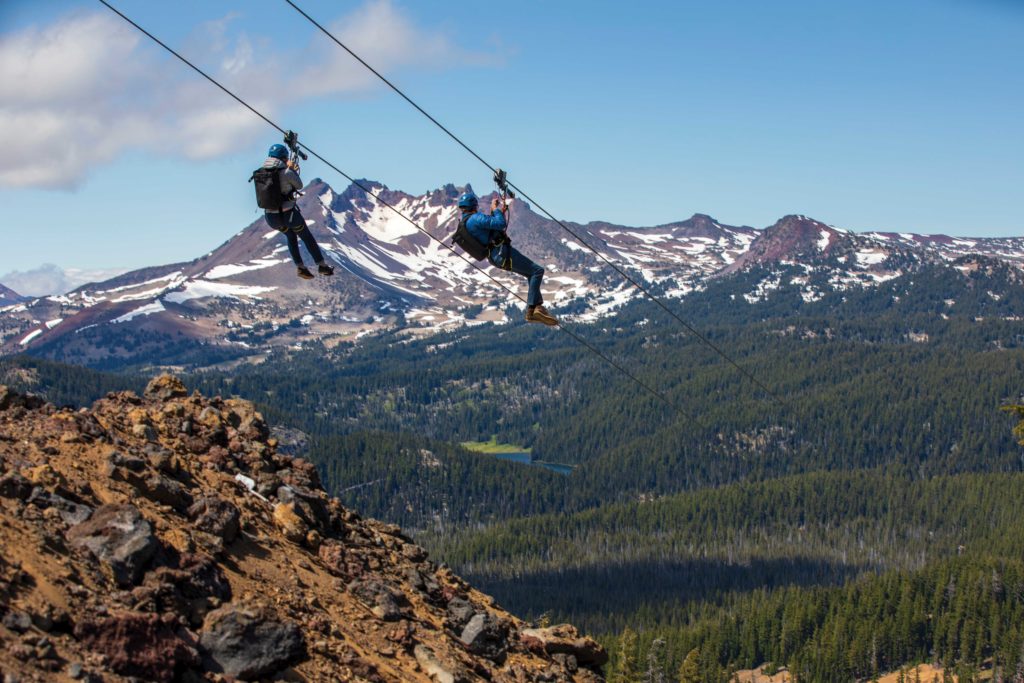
{"x": 163, "y": 538}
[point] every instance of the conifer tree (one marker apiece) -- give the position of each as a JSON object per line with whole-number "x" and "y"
{"x": 689, "y": 670}
{"x": 626, "y": 670}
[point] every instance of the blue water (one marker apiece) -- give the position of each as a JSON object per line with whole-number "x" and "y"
{"x": 525, "y": 459}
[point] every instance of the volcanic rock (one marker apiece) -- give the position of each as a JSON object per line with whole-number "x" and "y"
{"x": 247, "y": 644}
{"x": 118, "y": 536}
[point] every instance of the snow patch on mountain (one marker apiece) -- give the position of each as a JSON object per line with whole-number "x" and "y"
{"x": 228, "y": 270}
{"x": 197, "y": 289}
{"x": 149, "y": 309}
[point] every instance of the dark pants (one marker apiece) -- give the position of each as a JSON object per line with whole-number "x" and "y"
{"x": 293, "y": 225}
{"x": 507, "y": 258}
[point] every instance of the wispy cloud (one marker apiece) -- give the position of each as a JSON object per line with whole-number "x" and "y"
{"x": 85, "y": 89}
{"x": 50, "y": 279}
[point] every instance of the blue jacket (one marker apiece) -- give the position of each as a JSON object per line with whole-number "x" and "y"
{"x": 486, "y": 228}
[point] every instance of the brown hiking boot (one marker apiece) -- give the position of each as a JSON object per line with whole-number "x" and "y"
{"x": 325, "y": 269}
{"x": 539, "y": 314}
{"x": 304, "y": 273}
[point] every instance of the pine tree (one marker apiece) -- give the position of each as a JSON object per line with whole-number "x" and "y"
{"x": 689, "y": 670}
{"x": 626, "y": 665}
{"x": 655, "y": 673}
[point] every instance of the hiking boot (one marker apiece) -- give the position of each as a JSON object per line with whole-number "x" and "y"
{"x": 325, "y": 269}
{"x": 304, "y": 273}
{"x": 539, "y": 314}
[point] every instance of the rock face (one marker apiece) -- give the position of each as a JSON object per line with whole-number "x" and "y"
{"x": 164, "y": 538}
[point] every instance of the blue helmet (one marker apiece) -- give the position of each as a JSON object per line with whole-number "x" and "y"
{"x": 278, "y": 152}
{"x": 468, "y": 201}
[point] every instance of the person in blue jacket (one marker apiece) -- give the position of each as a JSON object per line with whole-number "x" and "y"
{"x": 490, "y": 229}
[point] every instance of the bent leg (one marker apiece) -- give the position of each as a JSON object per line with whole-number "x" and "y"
{"x": 532, "y": 272}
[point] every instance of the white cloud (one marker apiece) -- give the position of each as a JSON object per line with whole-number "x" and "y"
{"x": 50, "y": 279}
{"x": 83, "y": 90}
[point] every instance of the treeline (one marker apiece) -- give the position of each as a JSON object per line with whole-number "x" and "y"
{"x": 966, "y": 614}
{"x": 64, "y": 384}
{"x": 601, "y": 567}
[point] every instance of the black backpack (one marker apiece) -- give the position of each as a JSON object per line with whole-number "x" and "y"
{"x": 471, "y": 245}
{"x": 269, "y": 195}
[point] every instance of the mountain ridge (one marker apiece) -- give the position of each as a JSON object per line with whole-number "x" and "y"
{"x": 242, "y": 298}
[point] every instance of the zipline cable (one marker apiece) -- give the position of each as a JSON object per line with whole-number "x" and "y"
{"x": 414, "y": 224}
{"x": 707, "y": 342}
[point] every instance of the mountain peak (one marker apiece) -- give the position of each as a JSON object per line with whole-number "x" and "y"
{"x": 9, "y": 296}
{"x": 793, "y": 237}
{"x": 201, "y": 549}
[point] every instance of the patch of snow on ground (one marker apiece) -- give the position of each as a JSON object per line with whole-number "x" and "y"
{"x": 148, "y": 309}
{"x": 607, "y": 303}
{"x": 170, "y": 276}
{"x": 150, "y": 293}
{"x": 198, "y": 289}
{"x": 824, "y": 237}
{"x": 234, "y": 269}
{"x": 30, "y": 336}
{"x": 385, "y": 225}
{"x": 272, "y": 234}
{"x": 50, "y": 324}
{"x": 572, "y": 245}
{"x": 870, "y": 258}
{"x": 655, "y": 238}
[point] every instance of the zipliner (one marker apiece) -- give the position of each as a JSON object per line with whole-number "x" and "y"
{"x": 488, "y": 231}
{"x": 277, "y": 185}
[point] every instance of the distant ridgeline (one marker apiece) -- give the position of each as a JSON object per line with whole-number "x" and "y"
{"x": 877, "y": 508}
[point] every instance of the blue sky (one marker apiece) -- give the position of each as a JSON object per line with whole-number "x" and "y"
{"x": 903, "y": 115}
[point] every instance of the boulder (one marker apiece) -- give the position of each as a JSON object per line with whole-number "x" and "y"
{"x": 434, "y": 667}
{"x": 71, "y": 512}
{"x": 459, "y": 612}
{"x": 120, "y": 538}
{"x": 385, "y": 603}
{"x": 249, "y": 644}
{"x": 308, "y": 505}
{"x": 487, "y": 636}
{"x": 290, "y": 524}
{"x": 564, "y": 639}
{"x": 17, "y": 621}
{"x": 13, "y": 485}
{"x": 146, "y": 646}
{"x": 216, "y": 516}
{"x": 162, "y": 489}
{"x": 164, "y": 388}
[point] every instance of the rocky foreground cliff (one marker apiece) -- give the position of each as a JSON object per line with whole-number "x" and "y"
{"x": 163, "y": 538}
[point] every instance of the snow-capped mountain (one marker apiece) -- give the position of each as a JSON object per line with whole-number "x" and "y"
{"x": 243, "y": 297}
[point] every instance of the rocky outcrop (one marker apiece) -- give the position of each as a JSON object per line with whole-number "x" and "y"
{"x": 163, "y": 537}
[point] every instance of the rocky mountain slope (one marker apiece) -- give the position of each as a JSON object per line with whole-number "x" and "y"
{"x": 8, "y": 296}
{"x": 243, "y": 298}
{"x": 163, "y": 538}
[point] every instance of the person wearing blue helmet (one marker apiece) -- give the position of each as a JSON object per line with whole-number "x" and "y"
{"x": 287, "y": 218}
{"x": 490, "y": 229}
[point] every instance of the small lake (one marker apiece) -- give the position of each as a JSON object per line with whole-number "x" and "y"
{"x": 525, "y": 459}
